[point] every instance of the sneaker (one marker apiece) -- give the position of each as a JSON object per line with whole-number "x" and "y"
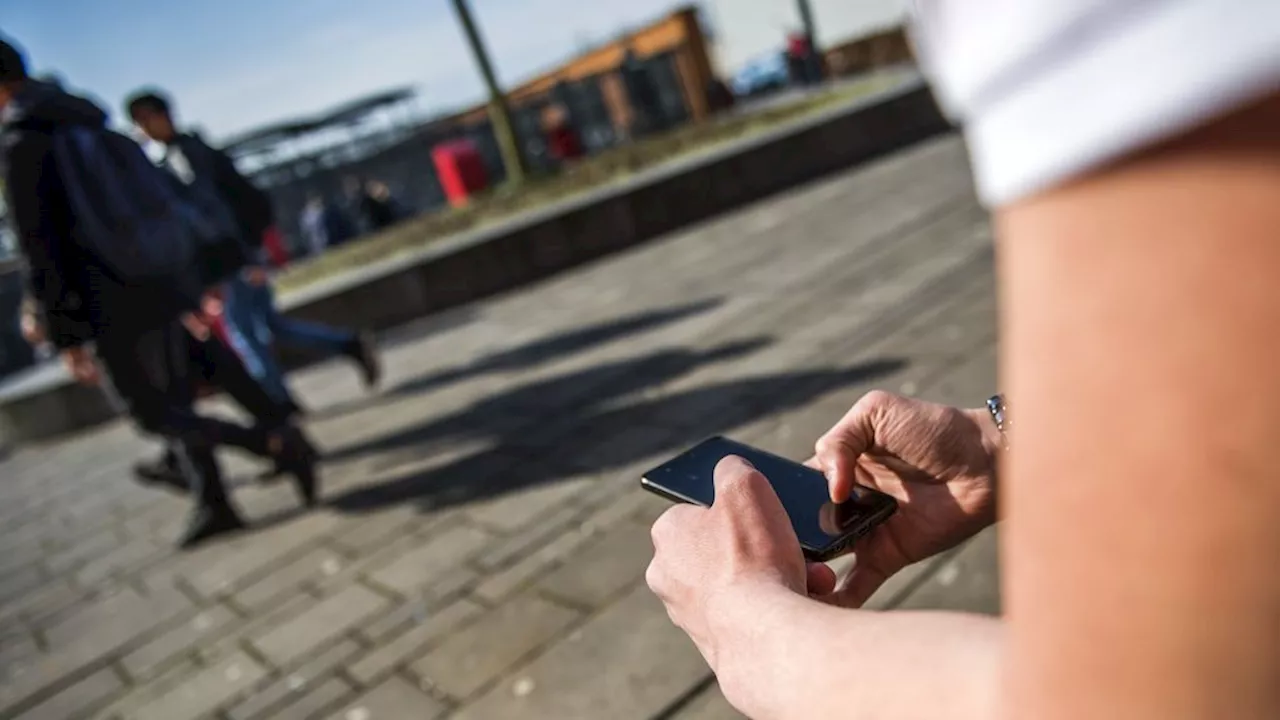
{"x": 208, "y": 522}
{"x": 296, "y": 456}
{"x": 364, "y": 351}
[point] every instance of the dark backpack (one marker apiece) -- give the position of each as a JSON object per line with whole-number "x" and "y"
{"x": 144, "y": 225}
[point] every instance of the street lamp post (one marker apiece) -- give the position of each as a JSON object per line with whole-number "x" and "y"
{"x": 512, "y": 158}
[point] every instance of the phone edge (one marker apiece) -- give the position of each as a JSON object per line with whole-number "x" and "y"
{"x": 666, "y": 493}
{"x": 842, "y": 545}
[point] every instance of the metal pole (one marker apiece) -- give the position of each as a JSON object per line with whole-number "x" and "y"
{"x": 806, "y": 19}
{"x": 499, "y": 115}
{"x": 813, "y": 67}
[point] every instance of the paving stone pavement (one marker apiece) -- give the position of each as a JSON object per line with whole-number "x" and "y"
{"x": 481, "y": 546}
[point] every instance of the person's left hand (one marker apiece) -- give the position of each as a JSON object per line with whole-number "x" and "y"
{"x": 744, "y": 542}
{"x": 32, "y": 330}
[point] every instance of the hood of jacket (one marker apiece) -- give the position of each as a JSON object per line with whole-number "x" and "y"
{"x": 44, "y": 106}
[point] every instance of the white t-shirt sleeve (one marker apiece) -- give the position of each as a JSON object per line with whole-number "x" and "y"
{"x": 1048, "y": 89}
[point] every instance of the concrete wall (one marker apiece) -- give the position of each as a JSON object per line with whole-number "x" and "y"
{"x": 42, "y": 402}
{"x": 463, "y": 269}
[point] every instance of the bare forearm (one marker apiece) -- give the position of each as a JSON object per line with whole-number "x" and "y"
{"x": 797, "y": 658}
{"x": 1139, "y": 319}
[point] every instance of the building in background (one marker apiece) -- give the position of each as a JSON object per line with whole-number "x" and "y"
{"x": 650, "y": 79}
{"x": 859, "y": 55}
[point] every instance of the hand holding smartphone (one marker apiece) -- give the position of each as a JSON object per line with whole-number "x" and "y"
{"x": 825, "y": 529}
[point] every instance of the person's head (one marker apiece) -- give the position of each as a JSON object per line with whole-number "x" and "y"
{"x": 152, "y": 112}
{"x": 54, "y": 79}
{"x": 13, "y": 72}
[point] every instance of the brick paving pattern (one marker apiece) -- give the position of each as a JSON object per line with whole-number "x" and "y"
{"x": 481, "y": 547}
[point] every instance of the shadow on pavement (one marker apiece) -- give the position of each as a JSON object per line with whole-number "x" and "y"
{"x": 556, "y": 346}
{"x": 525, "y": 356}
{"x": 444, "y": 321}
{"x": 545, "y": 403}
{"x": 580, "y": 424}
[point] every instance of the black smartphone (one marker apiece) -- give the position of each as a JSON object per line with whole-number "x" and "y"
{"x": 825, "y": 529}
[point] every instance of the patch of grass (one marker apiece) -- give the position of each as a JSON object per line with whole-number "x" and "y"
{"x": 590, "y": 174}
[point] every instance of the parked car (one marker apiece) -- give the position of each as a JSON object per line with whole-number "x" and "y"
{"x": 763, "y": 75}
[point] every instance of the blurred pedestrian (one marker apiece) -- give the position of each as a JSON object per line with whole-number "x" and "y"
{"x": 377, "y": 206}
{"x": 564, "y": 145}
{"x": 102, "y": 278}
{"x": 313, "y": 221}
{"x": 253, "y": 322}
{"x": 324, "y": 224}
{"x": 803, "y": 63}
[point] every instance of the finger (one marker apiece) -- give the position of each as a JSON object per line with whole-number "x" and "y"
{"x": 742, "y": 487}
{"x": 837, "y": 451}
{"x": 874, "y": 563}
{"x": 820, "y": 580}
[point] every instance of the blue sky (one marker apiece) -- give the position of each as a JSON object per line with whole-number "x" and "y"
{"x": 234, "y": 64}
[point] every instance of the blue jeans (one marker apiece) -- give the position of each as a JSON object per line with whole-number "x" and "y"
{"x": 255, "y": 325}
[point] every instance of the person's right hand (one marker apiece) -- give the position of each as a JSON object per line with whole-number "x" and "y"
{"x": 200, "y": 324}
{"x": 939, "y": 462}
{"x": 80, "y": 363}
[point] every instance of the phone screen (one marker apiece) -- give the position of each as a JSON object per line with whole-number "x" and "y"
{"x": 818, "y": 522}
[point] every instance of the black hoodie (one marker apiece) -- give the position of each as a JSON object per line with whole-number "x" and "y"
{"x": 81, "y": 299}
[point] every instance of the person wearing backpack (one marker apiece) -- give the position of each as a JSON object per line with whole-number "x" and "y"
{"x": 254, "y": 323}
{"x": 119, "y": 257}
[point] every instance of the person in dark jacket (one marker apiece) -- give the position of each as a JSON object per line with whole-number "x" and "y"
{"x": 140, "y": 334}
{"x": 215, "y": 367}
{"x": 250, "y": 304}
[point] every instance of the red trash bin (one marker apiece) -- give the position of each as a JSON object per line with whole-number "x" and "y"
{"x": 461, "y": 170}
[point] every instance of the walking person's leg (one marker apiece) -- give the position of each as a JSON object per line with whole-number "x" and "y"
{"x": 316, "y": 337}
{"x": 145, "y": 375}
{"x": 150, "y": 372}
{"x": 222, "y": 367}
{"x": 215, "y": 364}
{"x": 250, "y": 343}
